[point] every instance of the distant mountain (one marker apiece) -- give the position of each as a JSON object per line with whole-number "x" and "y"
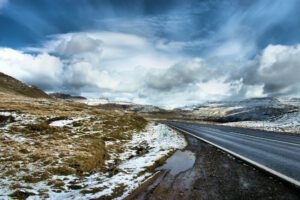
{"x": 11, "y": 85}
{"x": 267, "y": 108}
{"x": 102, "y": 101}
{"x": 290, "y": 100}
{"x": 137, "y": 108}
{"x": 66, "y": 96}
{"x": 145, "y": 108}
{"x": 122, "y": 105}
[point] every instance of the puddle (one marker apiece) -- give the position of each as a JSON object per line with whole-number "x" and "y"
{"x": 180, "y": 161}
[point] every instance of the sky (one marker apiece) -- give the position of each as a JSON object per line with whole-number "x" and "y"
{"x": 168, "y": 53}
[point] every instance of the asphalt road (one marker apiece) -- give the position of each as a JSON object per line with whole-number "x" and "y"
{"x": 276, "y": 153}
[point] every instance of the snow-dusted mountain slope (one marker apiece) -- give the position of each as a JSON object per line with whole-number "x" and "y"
{"x": 277, "y": 114}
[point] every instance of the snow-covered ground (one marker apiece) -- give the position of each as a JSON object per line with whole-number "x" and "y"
{"x": 61, "y": 123}
{"x": 160, "y": 139}
{"x": 156, "y": 142}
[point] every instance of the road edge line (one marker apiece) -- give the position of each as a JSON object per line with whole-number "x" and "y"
{"x": 263, "y": 167}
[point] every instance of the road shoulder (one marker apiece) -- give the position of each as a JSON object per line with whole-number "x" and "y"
{"x": 217, "y": 175}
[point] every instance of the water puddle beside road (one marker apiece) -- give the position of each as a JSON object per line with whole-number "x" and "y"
{"x": 180, "y": 161}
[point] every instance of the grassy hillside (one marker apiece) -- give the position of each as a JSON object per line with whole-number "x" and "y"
{"x": 53, "y": 142}
{"x": 41, "y": 139}
{"x": 10, "y": 85}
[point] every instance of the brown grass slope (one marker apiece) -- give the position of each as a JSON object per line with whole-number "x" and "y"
{"x": 44, "y": 151}
{"x": 11, "y": 85}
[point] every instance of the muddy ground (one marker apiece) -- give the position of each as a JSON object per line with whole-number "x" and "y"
{"x": 216, "y": 175}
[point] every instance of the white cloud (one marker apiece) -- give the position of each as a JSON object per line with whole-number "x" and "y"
{"x": 132, "y": 68}
{"x": 109, "y": 61}
{"x": 95, "y": 61}
{"x": 77, "y": 44}
{"x": 235, "y": 49}
{"x": 218, "y": 89}
{"x": 255, "y": 91}
{"x": 279, "y": 69}
{"x": 113, "y": 49}
{"x": 42, "y": 69}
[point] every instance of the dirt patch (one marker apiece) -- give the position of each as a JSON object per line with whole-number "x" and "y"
{"x": 217, "y": 175}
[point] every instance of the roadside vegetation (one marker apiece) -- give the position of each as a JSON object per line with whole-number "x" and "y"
{"x": 57, "y": 149}
{"x": 33, "y": 149}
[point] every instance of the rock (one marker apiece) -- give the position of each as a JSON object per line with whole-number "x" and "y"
{"x": 21, "y": 194}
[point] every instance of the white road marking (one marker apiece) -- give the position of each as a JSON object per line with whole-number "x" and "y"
{"x": 263, "y": 167}
{"x": 251, "y": 136}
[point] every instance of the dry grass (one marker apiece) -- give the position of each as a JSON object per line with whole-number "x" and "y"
{"x": 90, "y": 157}
{"x": 32, "y": 151}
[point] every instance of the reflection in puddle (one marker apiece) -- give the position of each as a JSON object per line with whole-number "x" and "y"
{"x": 180, "y": 161}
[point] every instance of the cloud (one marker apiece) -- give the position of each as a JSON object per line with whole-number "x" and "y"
{"x": 90, "y": 62}
{"x": 180, "y": 75}
{"x": 245, "y": 28}
{"x": 42, "y": 70}
{"x": 77, "y": 44}
{"x": 115, "y": 65}
{"x": 128, "y": 67}
{"x": 107, "y": 60}
{"x": 198, "y": 92}
{"x": 279, "y": 69}
{"x": 273, "y": 72}
{"x": 3, "y": 3}
{"x": 190, "y": 82}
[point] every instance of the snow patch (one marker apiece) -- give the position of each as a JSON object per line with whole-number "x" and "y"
{"x": 95, "y": 102}
{"x": 61, "y": 123}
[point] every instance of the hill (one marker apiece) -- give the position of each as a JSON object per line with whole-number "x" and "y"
{"x": 268, "y": 113}
{"x": 254, "y": 109}
{"x": 66, "y": 96}
{"x": 11, "y": 85}
{"x": 121, "y": 105}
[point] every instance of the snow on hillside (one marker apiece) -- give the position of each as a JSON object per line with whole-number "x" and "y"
{"x": 290, "y": 101}
{"x": 287, "y": 123}
{"x": 121, "y": 104}
{"x": 144, "y": 108}
{"x": 269, "y": 113}
{"x": 61, "y": 123}
{"x": 95, "y": 102}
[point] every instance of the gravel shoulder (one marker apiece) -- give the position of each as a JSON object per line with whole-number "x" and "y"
{"x": 217, "y": 175}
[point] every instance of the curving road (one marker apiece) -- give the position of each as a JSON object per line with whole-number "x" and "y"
{"x": 273, "y": 152}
